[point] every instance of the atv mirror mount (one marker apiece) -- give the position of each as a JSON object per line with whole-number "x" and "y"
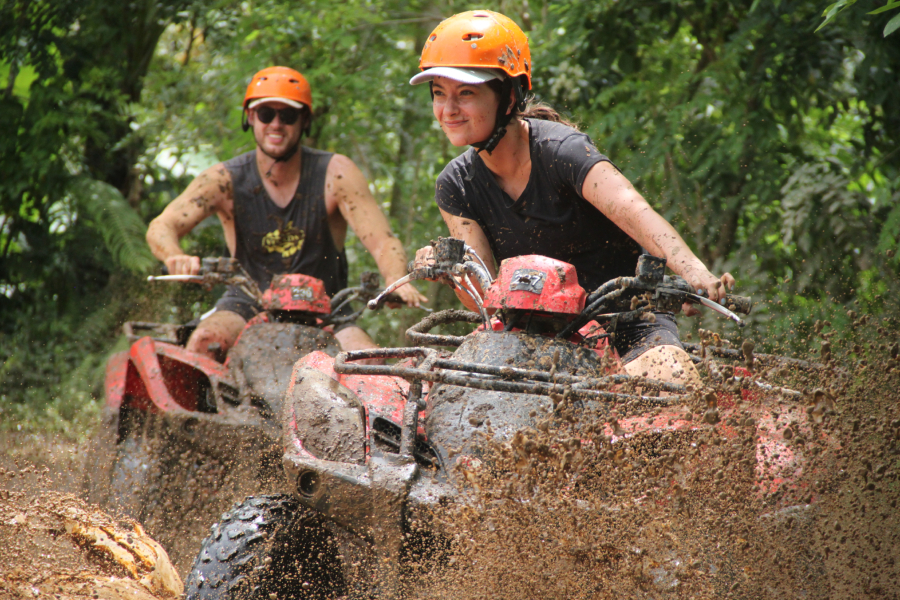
{"x": 650, "y": 269}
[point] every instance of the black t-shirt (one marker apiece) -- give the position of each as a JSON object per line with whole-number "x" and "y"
{"x": 551, "y": 217}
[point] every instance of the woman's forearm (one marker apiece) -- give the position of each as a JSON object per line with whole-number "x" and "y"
{"x": 658, "y": 236}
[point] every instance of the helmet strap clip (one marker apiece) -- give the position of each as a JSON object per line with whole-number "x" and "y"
{"x": 504, "y": 115}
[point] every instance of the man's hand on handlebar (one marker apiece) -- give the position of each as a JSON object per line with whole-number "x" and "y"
{"x": 410, "y": 297}
{"x": 183, "y": 264}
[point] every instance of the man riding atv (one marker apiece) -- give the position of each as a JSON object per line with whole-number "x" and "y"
{"x": 284, "y": 208}
{"x": 534, "y": 184}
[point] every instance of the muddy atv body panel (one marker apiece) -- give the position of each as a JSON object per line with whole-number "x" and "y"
{"x": 183, "y": 436}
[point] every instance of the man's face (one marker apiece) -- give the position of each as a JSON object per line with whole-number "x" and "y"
{"x": 275, "y": 138}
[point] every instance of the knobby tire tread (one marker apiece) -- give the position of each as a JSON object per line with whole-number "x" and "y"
{"x": 265, "y": 545}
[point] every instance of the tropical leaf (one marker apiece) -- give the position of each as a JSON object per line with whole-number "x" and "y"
{"x": 892, "y": 26}
{"x": 833, "y": 10}
{"x": 886, "y": 7}
{"x": 122, "y": 229}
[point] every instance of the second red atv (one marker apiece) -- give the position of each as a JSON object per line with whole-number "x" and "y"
{"x": 183, "y": 435}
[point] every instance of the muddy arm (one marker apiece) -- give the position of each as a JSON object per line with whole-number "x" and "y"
{"x": 208, "y": 194}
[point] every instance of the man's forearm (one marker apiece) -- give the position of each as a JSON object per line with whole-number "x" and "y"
{"x": 391, "y": 260}
{"x": 163, "y": 241}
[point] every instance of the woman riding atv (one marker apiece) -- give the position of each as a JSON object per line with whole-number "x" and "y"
{"x": 534, "y": 184}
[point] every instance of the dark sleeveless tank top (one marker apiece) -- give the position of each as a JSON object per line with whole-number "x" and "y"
{"x": 271, "y": 240}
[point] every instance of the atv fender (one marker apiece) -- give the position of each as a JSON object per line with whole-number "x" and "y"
{"x": 325, "y": 416}
{"x": 326, "y": 467}
{"x": 116, "y": 374}
{"x": 160, "y": 377}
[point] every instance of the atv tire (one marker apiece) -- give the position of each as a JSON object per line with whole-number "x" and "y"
{"x": 267, "y": 546}
{"x": 131, "y": 477}
{"x": 120, "y": 476}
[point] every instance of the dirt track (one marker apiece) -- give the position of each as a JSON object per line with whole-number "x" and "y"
{"x": 54, "y": 545}
{"x": 617, "y": 529}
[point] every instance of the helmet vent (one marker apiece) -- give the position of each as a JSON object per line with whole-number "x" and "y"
{"x": 481, "y": 15}
{"x": 432, "y": 38}
{"x": 472, "y": 36}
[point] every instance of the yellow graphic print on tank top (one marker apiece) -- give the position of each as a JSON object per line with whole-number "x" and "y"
{"x": 286, "y": 240}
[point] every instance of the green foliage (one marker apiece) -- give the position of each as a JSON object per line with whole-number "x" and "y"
{"x": 770, "y": 144}
{"x": 118, "y": 224}
{"x": 724, "y": 114}
{"x": 833, "y": 10}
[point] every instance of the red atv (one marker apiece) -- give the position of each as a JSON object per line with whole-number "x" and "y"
{"x": 183, "y": 435}
{"x": 369, "y": 449}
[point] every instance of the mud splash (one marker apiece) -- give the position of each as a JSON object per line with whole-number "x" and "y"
{"x": 176, "y": 477}
{"x": 53, "y": 545}
{"x": 568, "y": 510}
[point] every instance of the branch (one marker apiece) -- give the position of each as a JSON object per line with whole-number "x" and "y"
{"x": 187, "y": 52}
{"x": 13, "y": 73}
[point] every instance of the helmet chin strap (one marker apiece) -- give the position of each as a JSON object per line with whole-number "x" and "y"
{"x": 504, "y": 115}
{"x": 290, "y": 152}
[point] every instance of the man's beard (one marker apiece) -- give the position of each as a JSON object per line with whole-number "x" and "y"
{"x": 284, "y": 155}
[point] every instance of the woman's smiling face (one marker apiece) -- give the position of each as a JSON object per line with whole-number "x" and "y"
{"x": 466, "y": 112}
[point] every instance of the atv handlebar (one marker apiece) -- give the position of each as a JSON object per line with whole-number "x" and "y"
{"x": 453, "y": 258}
{"x": 228, "y": 271}
{"x": 623, "y": 299}
{"x": 218, "y": 271}
{"x": 630, "y": 298}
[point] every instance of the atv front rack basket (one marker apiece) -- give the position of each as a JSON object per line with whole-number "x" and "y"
{"x": 432, "y": 368}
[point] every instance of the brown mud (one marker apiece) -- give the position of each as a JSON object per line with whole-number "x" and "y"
{"x": 53, "y": 545}
{"x": 560, "y": 512}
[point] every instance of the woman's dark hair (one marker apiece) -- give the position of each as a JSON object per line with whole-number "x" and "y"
{"x": 534, "y": 108}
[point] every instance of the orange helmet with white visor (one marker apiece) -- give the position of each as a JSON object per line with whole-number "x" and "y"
{"x": 279, "y": 84}
{"x": 475, "y": 47}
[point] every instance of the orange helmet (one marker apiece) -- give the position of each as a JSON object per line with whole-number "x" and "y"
{"x": 281, "y": 84}
{"x": 477, "y": 39}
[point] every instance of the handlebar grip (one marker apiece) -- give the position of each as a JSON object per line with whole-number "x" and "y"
{"x": 377, "y": 303}
{"x": 738, "y": 304}
{"x": 164, "y": 270}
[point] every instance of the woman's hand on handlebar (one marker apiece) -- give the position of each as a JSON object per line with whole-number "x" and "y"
{"x": 183, "y": 264}
{"x": 715, "y": 287}
{"x": 424, "y": 258}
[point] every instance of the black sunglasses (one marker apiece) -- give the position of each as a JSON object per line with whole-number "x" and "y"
{"x": 287, "y": 116}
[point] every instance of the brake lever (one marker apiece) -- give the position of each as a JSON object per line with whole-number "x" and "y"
{"x": 376, "y": 302}
{"x": 716, "y": 307}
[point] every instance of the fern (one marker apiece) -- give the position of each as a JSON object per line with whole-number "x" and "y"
{"x": 122, "y": 229}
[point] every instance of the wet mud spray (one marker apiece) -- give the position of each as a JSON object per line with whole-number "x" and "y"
{"x": 561, "y": 512}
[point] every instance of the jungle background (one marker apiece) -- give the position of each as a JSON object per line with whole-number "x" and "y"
{"x": 772, "y": 147}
